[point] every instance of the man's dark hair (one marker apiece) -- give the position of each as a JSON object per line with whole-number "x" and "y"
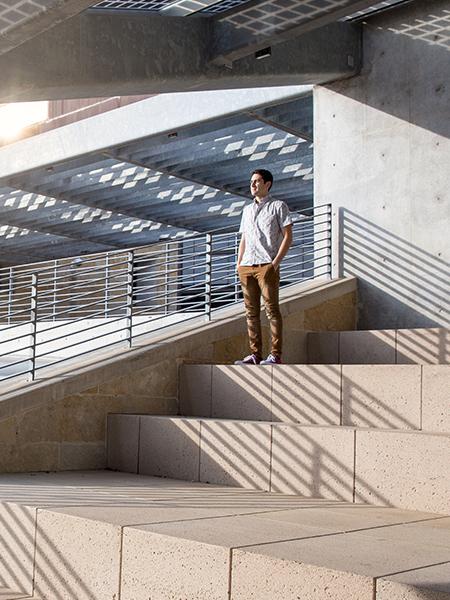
{"x": 265, "y": 174}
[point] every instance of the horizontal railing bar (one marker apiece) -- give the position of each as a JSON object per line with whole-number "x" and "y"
{"x": 15, "y": 363}
{"x": 56, "y": 362}
{"x": 79, "y": 319}
{"x": 67, "y": 335}
{"x": 169, "y": 279}
{"x": 216, "y": 232}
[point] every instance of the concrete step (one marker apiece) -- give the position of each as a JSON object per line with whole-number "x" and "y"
{"x": 104, "y": 536}
{"x": 382, "y": 467}
{"x": 379, "y": 396}
{"x": 388, "y": 346}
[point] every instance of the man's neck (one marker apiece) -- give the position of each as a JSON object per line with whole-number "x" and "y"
{"x": 259, "y": 199}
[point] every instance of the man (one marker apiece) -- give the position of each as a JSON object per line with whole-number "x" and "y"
{"x": 266, "y": 229}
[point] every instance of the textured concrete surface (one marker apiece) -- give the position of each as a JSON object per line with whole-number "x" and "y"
{"x": 427, "y": 583}
{"x": 235, "y": 453}
{"x": 436, "y": 398}
{"x": 390, "y": 346}
{"x": 323, "y": 347}
{"x": 347, "y": 564}
{"x": 194, "y": 390}
{"x": 265, "y": 577}
{"x": 123, "y": 443}
{"x": 423, "y": 346}
{"x": 367, "y": 347}
{"x": 307, "y": 394}
{"x": 374, "y": 134}
{"x": 387, "y": 467}
{"x": 313, "y": 461}
{"x": 169, "y": 447}
{"x": 66, "y": 549}
{"x": 241, "y": 393}
{"x": 180, "y": 540}
{"x": 376, "y": 396}
{"x": 9, "y": 594}
{"x": 17, "y": 532}
{"x": 403, "y": 469}
{"x": 382, "y": 396}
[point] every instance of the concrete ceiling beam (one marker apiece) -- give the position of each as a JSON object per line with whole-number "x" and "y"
{"x": 155, "y": 118}
{"x": 35, "y": 18}
{"x": 96, "y": 54}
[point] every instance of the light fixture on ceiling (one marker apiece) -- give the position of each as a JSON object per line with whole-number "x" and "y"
{"x": 264, "y": 53}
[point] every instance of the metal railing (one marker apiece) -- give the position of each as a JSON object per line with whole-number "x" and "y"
{"x": 61, "y": 310}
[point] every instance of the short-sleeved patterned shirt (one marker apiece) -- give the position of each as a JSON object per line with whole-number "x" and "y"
{"x": 263, "y": 225}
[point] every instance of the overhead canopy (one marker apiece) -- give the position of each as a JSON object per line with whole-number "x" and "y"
{"x": 163, "y": 185}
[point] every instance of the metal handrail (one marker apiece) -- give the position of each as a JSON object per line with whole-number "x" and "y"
{"x": 53, "y": 312}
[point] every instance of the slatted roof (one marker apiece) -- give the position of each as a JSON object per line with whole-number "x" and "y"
{"x": 297, "y": 9}
{"x": 155, "y": 188}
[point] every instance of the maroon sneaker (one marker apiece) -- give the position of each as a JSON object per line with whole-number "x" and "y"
{"x": 251, "y": 359}
{"x": 272, "y": 359}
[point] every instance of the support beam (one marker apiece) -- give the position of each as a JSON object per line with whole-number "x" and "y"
{"x": 33, "y": 18}
{"x": 153, "y": 118}
{"x": 236, "y": 42}
{"x": 96, "y": 54}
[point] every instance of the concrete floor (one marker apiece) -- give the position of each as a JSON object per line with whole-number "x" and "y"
{"x": 54, "y": 525}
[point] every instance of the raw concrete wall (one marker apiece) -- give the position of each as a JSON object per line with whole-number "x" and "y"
{"x": 382, "y": 158}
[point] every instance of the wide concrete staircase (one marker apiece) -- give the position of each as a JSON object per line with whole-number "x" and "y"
{"x": 318, "y": 481}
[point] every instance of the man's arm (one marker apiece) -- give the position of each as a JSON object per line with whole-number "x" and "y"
{"x": 284, "y": 247}
{"x": 241, "y": 250}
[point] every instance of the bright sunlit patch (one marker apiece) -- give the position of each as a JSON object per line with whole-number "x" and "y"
{"x": 15, "y": 117}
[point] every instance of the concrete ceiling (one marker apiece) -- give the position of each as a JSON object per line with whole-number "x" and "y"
{"x": 165, "y": 185}
{"x": 102, "y": 184}
{"x": 54, "y": 49}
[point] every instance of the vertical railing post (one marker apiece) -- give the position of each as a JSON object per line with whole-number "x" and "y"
{"x": 330, "y": 241}
{"x": 166, "y": 280}
{"x": 55, "y": 275}
{"x": 208, "y": 274}
{"x": 107, "y": 275}
{"x": 33, "y": 321}
{"x": 10, "y": 295}
{"x": 129, "y": 305}
{"x": 334, "y": 247}
{"x": 235, "y": 273}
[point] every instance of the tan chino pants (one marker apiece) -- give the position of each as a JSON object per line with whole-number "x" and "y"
{"x": 257, "y": 281}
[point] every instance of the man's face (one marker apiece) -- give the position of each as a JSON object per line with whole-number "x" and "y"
{"x": 258, "y": 187}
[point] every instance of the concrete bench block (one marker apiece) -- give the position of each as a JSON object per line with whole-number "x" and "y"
{"x": 262, "y": 577}
{"x": 427, "y": 583}
{"x": 367, "y": 347}
{"x": 405, "y": 469}
{"x": 307, "y": 394}
{"x": 189, "y": 559}
{"x": 195, "y": 390}
{"x": 325, "y": 567}
{"x": 426, "y": 346}
{"x": 17, "y": 530}
{"x": 340, "y": 517}
{"x": 9, "y": 594}
{"x": 313, "y": 461}
{"x": 169, "y": 447}
{"x": 323, "y": 347}
{"x": 235, "y": 453}
{"x": 386, "y": 396}
{"x": 241, "y": 392}
{"x": 159, "y": 567}
{"x": 76, "y": 558}
{"x": 123, "y": 443}
{"x": 436, "y": 398}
